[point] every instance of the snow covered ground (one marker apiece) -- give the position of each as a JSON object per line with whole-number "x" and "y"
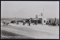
{"x": 40, "y": 28}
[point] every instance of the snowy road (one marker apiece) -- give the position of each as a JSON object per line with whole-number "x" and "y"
{"x": 33, "y": 31}
{"x": 10, "y": 35}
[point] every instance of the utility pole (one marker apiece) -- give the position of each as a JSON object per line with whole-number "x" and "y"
{"x": 55, "y": 20}
{"x": 42, "y": 16}
{"x": 36, "y": 19}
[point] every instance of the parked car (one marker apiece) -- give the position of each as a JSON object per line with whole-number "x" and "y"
{"x": 5, "y": 23}
{"x": 13, "y": 21}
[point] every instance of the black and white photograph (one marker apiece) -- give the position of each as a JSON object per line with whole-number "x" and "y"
{"x": 29, "y": 19}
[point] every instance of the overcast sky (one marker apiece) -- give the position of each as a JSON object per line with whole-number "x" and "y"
{"x": 28, "y": 9}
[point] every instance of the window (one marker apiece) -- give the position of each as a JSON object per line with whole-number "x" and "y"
{"x": 44, "y": 21}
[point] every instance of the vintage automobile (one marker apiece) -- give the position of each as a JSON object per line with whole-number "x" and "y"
{"x": 13, "y": 21}
{"x": 5, "y": 23}
{"x": 51, "y": 23}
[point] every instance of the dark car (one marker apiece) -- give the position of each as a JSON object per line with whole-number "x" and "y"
{"x": 13, "y": 21}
